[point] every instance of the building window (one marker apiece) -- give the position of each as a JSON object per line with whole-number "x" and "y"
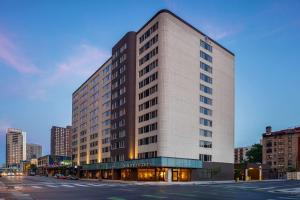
{"x": 205, "y": 111}
{"x": 148, "y": 68}
{"x": 148, "y": 92}
{"x": 148, "y": 140}
{"x": 148, "y": 104}
{"x": 205, "y": 78}
{"x": 148, "y": 128}
{"x": 148, "y": 44}
{"x": 205, "y": 100}
{"x": 144, "y": 155}
{"x": 205, "y": 56}
{"x": 148, "y": 80}
{"x": 151, "y": 30}
{"x": 205, "y": 89}
{"x": 205, "y": 157}
{"x": 205, "y": 144}
{"x": 148, "y": 56}
{"x": 206, "y": 122}
{"x": 148, "y": 116}
{"x": 205, "y": 45}
{"x": 205, "y": 133}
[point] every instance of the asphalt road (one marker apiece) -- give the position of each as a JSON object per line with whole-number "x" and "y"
{"x": 28, "y": 188}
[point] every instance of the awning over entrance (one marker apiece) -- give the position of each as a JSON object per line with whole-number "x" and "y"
{"x": 150, "y": 162}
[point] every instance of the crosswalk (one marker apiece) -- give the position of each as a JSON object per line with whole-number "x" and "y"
{"x": 51, "y": 185}
{"x": 280, "y": 189}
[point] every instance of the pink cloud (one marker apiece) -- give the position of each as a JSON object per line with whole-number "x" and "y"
{"x": 11, "y": 55}
{"x": 81, "y": 63}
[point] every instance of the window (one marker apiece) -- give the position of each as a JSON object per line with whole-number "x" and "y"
{"x": 148, "y": 68}
{"x": 205, "y": 111}
{"x": 148, "y": 92}
{"x": 205, "y": 144}
{"x": 205, "y": 56}
{"x": 148, "y": 80}
{"x": 148, "y": 44}
{"x": 205, "y": 122}
{"x": 205, "y": 45}
{"x": 148, "y": 128}
{"x": 205, "y": 157}
{"x": 149, "y": 32}
{"x": 148, "y": 116}
{"x": 148, "y": 104}
{"x": 148, "y": 56}
{"x": 205, "y": 89}
{"x": 148, "y": 140}
{"x": 205, "y": 100}
{"x": 151, "y": 154}
{"x": 205, "y": 133}
{"x": 205, "y": 78}
{"x": 121, "y": 133}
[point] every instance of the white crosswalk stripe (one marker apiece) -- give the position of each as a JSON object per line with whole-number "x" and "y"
{"x": 35, "y": 186}
{"x": 80, "y": 185}
{"x": 52, "y": 186}
{"x": 67, "y": 185}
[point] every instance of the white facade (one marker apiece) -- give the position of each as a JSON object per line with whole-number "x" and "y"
{"x": 178, "y": 118}
{"x": 15, "y": 147}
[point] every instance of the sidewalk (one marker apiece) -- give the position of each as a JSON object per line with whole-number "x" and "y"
{"x": 179, "y": 183}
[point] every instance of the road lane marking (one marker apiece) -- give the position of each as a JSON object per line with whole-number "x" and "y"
{"x": 116, "y": 198}
{"x": 154, "y": 196}
{"x": 67, "y": 186}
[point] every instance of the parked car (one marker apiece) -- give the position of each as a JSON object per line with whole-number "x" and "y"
{"x": 72, "y": 177}
{"x": 60, "y": 176}
{"x": 31, "y": 173}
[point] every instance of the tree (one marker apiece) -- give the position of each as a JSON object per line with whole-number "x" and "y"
{"x": 255, "y": 154}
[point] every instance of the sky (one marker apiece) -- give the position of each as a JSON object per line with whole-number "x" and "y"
{"x": 48, "y": 48}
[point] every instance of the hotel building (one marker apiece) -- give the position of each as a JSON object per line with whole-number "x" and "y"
{"x": 15, "y": 147}
{"x": 281, "y": 150}
{"x": 169, "y": 89}
{"x": 61, "y": 141}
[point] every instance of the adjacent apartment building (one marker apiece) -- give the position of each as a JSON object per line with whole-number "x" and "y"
{"x": 15, "y": 147}
{"x": 240, "y": 154}
{"x": 61, "y": 141}
{"x": 161, "y": 108}
{"x": 281, "y": 150}
{"x": 33, "y": 151}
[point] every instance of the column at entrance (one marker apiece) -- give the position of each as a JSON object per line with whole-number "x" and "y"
{"x": 169, "y": 175}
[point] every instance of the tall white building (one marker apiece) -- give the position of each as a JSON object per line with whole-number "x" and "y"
{"x": 15, "y": 147}
{"x": 180, "y": 125}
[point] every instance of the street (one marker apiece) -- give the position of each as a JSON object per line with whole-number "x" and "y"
{"x": 49, "y": 188}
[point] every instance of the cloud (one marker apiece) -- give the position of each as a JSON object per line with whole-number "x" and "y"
{"x": 217, "y": 31}
{"x": 13, "y": 57}
{"x": 81, "y": 63}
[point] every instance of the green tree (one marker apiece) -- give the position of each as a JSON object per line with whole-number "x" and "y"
{"x": 255, "y": 154}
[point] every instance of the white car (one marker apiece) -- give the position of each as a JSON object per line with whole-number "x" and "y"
{"x": 10, "y": 174}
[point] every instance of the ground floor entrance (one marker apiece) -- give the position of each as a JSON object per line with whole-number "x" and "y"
{"x": 150, "y": 169}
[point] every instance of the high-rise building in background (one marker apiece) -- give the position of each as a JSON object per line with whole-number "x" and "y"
{"x": 161, "y": 108}
{"x": 281, "y": 150}
{"x": 61, "y": 141}
{"x": 33, "y": 151}
{"x": 240, "y": 154}
{"x": 15, "y": 147}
